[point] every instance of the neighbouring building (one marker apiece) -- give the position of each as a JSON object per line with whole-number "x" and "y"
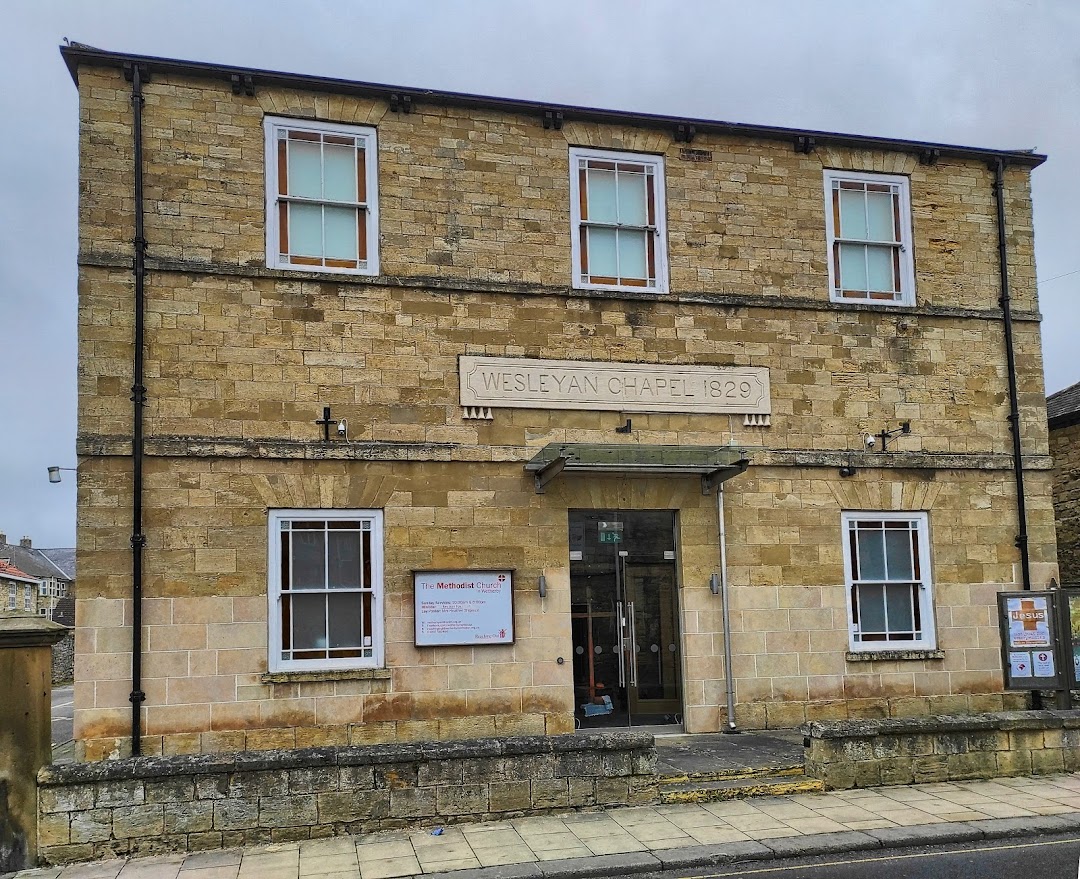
{"x": 464, "y": 416}
{"x": 18, "y": 590}
{"x": 1063, "y": 420}
{"x": 53, "y": 572}
{"x": 48, "y": 592}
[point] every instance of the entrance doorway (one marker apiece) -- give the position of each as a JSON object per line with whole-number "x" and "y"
{"x": 624, "y": 610}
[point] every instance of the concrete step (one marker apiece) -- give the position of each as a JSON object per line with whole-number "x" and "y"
{"x": 698, "y": 791}
{"x": 728, "y": 774}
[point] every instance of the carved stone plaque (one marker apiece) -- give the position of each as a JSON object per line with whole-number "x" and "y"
{"x": 520, "y": 383}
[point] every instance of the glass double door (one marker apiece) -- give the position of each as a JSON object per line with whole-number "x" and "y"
{"x": 625, "y": 618}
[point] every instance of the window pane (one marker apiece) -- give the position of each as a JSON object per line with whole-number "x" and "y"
{"x": 344, "y": 560}
{"x": 879, "y": 210}
{"x": 852, "y": 267}
{"x": 602, "y": 259}
{"x": 879, "y": 265}
{"x": 871, "y": 555}
{"x": 852, "y": 214}
{"x": 898, "y": 600}
{"x": 305, "y": 169}
{"x": 632, "y": 254}
{"x": 309, "y": 621}
{"x": 871, "y": 609}
{"x": 346, "y": 626}
{"x": 308, "y": 560}
{"x": 898, "y": 554}
{"x": 602, "y": 199}
{"x": 340, "y": 233}
{"x": 339, "y": 173}
{"x": 366, "y": 534}
{"x": 633, "y": 201}
{"x": 305, "y": 229}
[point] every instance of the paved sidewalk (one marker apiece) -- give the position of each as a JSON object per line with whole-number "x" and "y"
{"x": 642, "y": 839}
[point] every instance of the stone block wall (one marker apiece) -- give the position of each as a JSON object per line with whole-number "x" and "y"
{"x": 63, "y": 659}
{"x": 1065, "y": 450}
{"x": 147, "y": 806}
{"x": 929, "y": 749}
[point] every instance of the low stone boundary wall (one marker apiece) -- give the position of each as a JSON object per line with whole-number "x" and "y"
{"x": 867, "y": 753}
{"x": 63, "y": 659}
{"x": 148, "y": 805}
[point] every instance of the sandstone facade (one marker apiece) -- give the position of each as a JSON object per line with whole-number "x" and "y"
{"x": 475, "y": 258}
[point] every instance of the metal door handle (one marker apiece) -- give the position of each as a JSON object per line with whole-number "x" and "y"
{"x": 633, "y": 644}
{"x": 620, "y": 622}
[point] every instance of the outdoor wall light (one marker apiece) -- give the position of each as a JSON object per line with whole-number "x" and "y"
{"x": 54, "y": 472}
{"x": 714, "y": 584}
{"x": 543, "y": 586}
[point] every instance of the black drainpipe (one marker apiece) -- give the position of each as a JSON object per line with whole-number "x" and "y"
{"x": 1014, "y": 406}
{"x": 135, "y": 74}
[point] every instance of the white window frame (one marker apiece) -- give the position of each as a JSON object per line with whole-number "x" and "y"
{"x": 271, "y": 126}
{"x": 659, "y": 229}
{"x": 907, "y": 253}
{"x": 13, "y": 596}
{"x": 275, "y": 662}
{"x": 28, "y": 597}
{"x": 924, "y": 581}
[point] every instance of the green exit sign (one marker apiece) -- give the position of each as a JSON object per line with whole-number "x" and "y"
{"x": 611, "y": 537}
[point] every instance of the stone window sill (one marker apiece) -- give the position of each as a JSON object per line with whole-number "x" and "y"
{"x": 350, "y": 674}
{"x": 893, "y": 655}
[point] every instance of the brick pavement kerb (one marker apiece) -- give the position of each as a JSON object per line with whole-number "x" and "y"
{"x": 642, "y": 839}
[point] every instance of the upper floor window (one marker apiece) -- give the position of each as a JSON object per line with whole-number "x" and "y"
{"x": 617, "y": 216}
{"x": 868, "y": 224}
{"x": 325, "y": 589}
{"x": 13, "y": 596}
{"x": 321, "y": 205}
{"x": 28, "y": 597}
{"x": 887, "y": 567}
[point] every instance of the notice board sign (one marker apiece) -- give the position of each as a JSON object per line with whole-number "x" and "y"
{"x": 1070, "y": 635}
{"x": 1028, "y": 640}
{"x": 470, "y": 608}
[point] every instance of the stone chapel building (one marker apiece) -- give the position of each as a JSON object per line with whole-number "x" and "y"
{"x": 459, "y": 416}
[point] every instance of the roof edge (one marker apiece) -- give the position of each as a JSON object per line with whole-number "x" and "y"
{"x": 78, "y": 54}
{"x": 1057, "y": 422}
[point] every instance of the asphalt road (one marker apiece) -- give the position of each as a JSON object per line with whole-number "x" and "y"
{"x": 63, "y": 720}
{"x": 1055, "y": 858}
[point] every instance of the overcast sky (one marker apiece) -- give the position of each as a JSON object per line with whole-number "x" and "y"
{"x": 990, "y": 73}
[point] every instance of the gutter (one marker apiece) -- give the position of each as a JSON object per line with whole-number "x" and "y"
{"x": 246, "y": 79}
{"x": 1010, "y": 358}
{"x": 136, "y": 73}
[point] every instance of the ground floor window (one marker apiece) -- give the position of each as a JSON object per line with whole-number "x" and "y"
{"x": 887, "y": 572}
{"x": 325, "y": 589}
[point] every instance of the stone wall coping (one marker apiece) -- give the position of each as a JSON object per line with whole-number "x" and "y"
{"x": 998, "y": 720}
{"x": 355, "y": 755}
{"x": 30, "y": 631}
